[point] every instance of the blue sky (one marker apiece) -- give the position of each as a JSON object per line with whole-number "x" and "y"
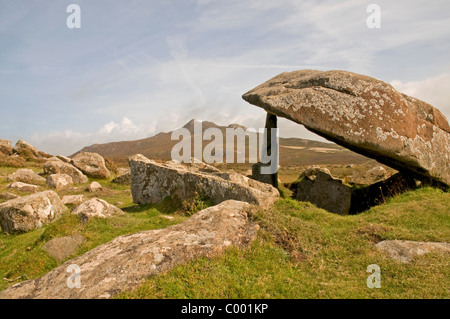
{"x": 139, "y": 67}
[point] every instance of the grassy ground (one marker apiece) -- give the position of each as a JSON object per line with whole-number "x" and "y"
{"x": 305, "y": 252}
{"x": 300, "y": 252}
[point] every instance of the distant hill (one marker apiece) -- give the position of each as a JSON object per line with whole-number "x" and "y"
{"x": 293, "y": 151}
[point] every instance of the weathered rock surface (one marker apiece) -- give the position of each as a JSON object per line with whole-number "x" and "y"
{"x": 151, "y": 182}
{"x": 5, "y": 147}
{"x": 8, "y": 196}
{"x": 94, "y": 187}
{"x": 25, "y": 175}
{"x": 59, "y": 167}
{"x": 63, "y": 247}
{"x": 74, "y": 200}
{"x": 63, "y": 158}
{"x": 127, "y": 261}
{"x": 123, "y": 179}
{"x": 91, "y": 164}
{"x": 96, "y": 208}
{"x": 59, "y": 181}
{"x": 25, "y": 149}
{"x": 30, "y": 212}
{"x": 24, "y": 187}
{"x": 363, "y": 114}
{"x": 321, "y": 189}
{"x": 405, "y": 250}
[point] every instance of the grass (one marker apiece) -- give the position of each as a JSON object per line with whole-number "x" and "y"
{"x": 304, "y": 252}
{"x": 300, "y": 251}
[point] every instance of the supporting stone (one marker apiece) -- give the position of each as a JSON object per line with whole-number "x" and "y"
{"x": 272, "y": 179}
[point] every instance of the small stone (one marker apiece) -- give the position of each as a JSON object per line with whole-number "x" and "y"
{"x": 94, "y": 187}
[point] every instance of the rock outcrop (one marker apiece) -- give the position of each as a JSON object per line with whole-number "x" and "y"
{"x": 96, "y": 208}
{"x": 25, "y": 175}
{"x": 59, "y": 167}
{"x": 91, "y": 164}
{"x": 127, "y": 261}
{"x": 59, "y": 181}
{"x": 362, "y": 114}
{"x": 28, "y": 151}
{"x": 405, "y": 250}
{"x": 30, "y": 212}
{"x": 151, "y": 182}
{"x": 5, "y": 147}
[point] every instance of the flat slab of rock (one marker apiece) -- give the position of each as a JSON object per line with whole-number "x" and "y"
{"x": 405, "y": 250}
{"x": 8, "y": 196}
{"x": 363, "y": 114}
{"x": 24, "y": 187}
{"x": 96, "y": 208}
{"x": 59, "y": 181}
{"x": 27, "y": 176}
{"x": 59, "y": 167}
{"x": 91, "y": 164}
{"x": 151, "y": 182}
{"x": 63, "y": 158}
{"x": 63, "y": 247}
{"x": 30, "y": 212}
{"x": 127, "y": 261}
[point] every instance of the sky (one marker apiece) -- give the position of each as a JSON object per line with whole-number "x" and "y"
{"x": 136, "y": 68}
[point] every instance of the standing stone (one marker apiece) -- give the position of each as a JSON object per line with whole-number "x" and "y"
{"x": 91, "y": 164}
{"x": 30, "y": 212}
{"x": 324, "y": 191}
{"x": 364, "y": 115}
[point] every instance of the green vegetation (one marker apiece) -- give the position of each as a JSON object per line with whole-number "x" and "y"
{"x": 300, "y": 251}
{"x": 305, "y": 252}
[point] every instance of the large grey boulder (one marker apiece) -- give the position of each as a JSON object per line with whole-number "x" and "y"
{"x": 91, "y": 164}
{"x": 26, "y": 175}
{"x": 96, "y": 208}
{"x": 362, "y": 114}
{"x": 406, "y": 250}
{"x": 59, "y": 167}
{"x": 151, "y": 182}
{"x": 126, "y": 261}
{"x": 30, "y": 212}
